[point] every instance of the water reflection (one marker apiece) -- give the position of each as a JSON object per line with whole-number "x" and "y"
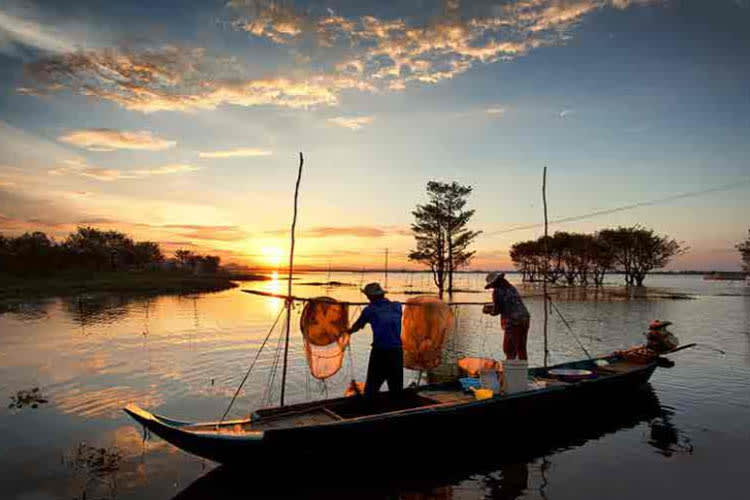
{"x": 499, "y": 464}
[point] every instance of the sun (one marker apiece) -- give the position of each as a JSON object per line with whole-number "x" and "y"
{"x": 272, "y": 256}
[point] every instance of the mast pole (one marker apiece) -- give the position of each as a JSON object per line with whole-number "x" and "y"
{"x": 289, "y": 282}
{"x": 546, "y": 263}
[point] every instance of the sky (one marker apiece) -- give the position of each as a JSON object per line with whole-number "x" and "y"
{"x": 181, "y": 122}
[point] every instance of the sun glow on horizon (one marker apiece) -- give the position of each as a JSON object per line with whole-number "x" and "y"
{"x": 271, "y": 256}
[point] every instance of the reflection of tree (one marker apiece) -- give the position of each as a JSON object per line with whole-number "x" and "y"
{"x": 28, "y": 309}
{"x": 94, "y": 470}
{"x": 98, "y": 309}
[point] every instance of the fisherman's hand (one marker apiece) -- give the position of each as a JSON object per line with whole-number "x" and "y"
{"x": 488, "y": 308}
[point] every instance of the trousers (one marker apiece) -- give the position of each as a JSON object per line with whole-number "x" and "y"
{"x": 385, "y": 365}
{"x": 514, "y": 343}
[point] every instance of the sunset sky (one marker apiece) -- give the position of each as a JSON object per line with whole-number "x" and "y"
{"x": 181, "y": 121}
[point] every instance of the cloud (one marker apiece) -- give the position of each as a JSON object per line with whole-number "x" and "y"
{"x": 355, "y": 231}
{"x": 364, "y": 53}
{"x": 495, "y": 111}
{"x": 79, "y": 166}
{"x": 352, "y": 123}
{"x": 172, "y": 79}
{"x": 235, "y": 153}
{"x": 566, "y": 112}
{"x": 218, "y": 233}
{"x": 104, "y": 139}
{"x": 15, "y": 30}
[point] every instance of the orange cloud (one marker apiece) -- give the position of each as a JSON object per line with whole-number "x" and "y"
{"x": 364, "y": 53}
{"x": 104, "y": 139}
{"x": 235, "y": 153}
{"x": 218, "y": 233}
{"x": 80, "y": 167}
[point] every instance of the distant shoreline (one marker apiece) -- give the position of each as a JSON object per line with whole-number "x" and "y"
{"x": 140, "y": 282}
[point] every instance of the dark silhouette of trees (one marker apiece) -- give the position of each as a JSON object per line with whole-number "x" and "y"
{"x": 85, "y": 249}
{"x": 639, "y": 251}
{"x": 584, "y": 258}
{"x": 744, "y": 249}
{"x": 195, "y": 263}
{"x": 440, "y": 231}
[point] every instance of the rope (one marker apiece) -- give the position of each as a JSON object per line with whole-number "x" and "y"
{"x": 580, "y": 344}
{"x": 247, "y": 374}
{"x": 274, "y": 368}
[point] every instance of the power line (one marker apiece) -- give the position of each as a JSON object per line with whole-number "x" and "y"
{"x": 623, "y": 208}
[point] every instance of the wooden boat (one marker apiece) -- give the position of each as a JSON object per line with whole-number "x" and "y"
{"x": 420, "y": 416}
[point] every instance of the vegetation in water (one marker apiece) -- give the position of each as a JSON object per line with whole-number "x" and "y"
{"x": 441, "y": 233}
{"x": 95, "y": 470}
{"x": 744, "y": 249}
{"x": 31, "y": 398}
{"x": 576, "y": 258}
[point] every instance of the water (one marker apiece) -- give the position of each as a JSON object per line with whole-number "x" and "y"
{"x": 185, "y": 356}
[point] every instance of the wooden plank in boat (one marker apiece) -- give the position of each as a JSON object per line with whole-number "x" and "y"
{"x": 314, "y": 416}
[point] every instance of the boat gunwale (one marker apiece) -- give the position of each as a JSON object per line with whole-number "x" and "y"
{"x": 258, "y": 434}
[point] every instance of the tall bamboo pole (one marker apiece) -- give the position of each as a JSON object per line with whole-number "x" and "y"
{"x": 546, "y": 263}
{"x": 289, "y": 284}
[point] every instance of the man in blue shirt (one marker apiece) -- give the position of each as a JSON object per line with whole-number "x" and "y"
{"x": 386, "y": 356}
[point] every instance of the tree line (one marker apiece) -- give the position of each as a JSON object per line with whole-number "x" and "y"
{"x": 744, "y": 249}
{"x": 87, "y": 248}
{"x": 580, "y": 258}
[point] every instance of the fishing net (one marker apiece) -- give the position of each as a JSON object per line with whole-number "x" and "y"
{"x": 474, "y": 366}
{"x": 324, "y": 323}
{"x": 427, "y": 321}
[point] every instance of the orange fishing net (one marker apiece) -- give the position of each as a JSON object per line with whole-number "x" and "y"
{"x": 427, "y": 321}
{"x": 324, "y": 324}
{"x": 474, "y": 366}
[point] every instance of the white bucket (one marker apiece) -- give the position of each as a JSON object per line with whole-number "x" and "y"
{"x": 516, "y": 375}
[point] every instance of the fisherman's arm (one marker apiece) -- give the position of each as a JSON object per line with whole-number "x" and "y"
{"x": 363, "y": 319}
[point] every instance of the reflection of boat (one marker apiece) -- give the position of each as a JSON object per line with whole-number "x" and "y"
{"x": 500, "y": 459}
{"x": 418, "y": 417}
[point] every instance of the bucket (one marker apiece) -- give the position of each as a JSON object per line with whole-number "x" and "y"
{"x": 516, "y": 375}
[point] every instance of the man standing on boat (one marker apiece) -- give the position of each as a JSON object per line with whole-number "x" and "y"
{"x": 386, "y": 356}
{"x": 507, "y": 302}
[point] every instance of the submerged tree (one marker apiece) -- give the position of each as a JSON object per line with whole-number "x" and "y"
{"x": 744, "y": 249}
{"x": 638, "y": 251}
{"x": 440, "y": 231}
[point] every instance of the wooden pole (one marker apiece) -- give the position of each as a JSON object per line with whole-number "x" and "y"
{"x": 386, "y": 269}
{"x": 289, "y": 285}
{"x": 546, "y": 264}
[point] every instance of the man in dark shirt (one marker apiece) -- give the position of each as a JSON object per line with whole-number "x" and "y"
{"x": 386, "y": 356}
{"x": 513, "y": 313}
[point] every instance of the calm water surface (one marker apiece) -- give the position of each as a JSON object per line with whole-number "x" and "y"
{"x": 184, "y": 357}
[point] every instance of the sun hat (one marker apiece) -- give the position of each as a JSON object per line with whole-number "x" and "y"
{"x": 373, "y": 289}
{"x": 493, "y": 278}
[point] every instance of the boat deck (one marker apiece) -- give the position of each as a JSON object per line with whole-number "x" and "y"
{"x": 341, "y": 409}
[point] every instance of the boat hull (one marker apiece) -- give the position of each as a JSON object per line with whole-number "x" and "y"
{"x": 421, "y": 428}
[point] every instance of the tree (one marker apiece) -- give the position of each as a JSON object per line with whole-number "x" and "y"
{"x": 184, "y": 257}
{"x": 744, "y": 249}
{"x": 639, "y": 251}
{"x": 93, "y": 247}
{"x": 440, "y": 232}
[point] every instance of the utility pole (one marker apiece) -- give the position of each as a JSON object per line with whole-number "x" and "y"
{"x": 386, "y": 269}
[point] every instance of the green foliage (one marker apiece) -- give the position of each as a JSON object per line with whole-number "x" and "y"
{"x": 582, "y": 258}
{"x": 440, "y": 231}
